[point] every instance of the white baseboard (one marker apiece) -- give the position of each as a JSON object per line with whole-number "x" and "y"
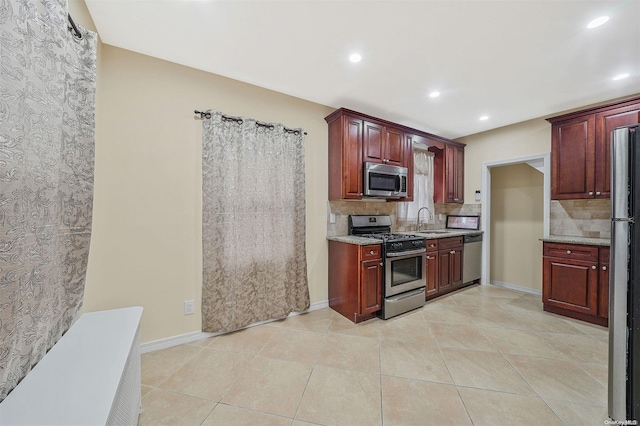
{"x": 517, "y": 288}
{"x": 194, "y": 336}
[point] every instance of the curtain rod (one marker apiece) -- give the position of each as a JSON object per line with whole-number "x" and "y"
{"x": 73, "y": 28}
{"x": 206, "y": 114}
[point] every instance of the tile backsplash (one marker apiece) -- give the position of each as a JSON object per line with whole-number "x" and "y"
{"x": 342, "y": 210}
{"x": 572, "y": 218}
{"x": 581, "y": 218}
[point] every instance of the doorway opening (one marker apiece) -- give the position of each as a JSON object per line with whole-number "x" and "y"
{"x": 542, "y": 164}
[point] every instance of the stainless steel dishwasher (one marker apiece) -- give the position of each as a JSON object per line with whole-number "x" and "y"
{"x": 472, "y": 259}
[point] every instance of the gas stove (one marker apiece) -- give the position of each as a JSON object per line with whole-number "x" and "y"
{"x": 390, "y": 236}
{"x": 404, "y": 257}
{"x": 396, "y": 243}
{"x": 379, "y": 227}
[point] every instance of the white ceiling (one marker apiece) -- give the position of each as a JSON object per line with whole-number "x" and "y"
{"x": 510, "y": 60}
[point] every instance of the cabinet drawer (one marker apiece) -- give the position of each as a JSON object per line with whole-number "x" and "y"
{"x": 449, "y": 243}
{"x": 570, "y": 251}
{"x": 432, "y": 245}
{"x": 370, "y": 252}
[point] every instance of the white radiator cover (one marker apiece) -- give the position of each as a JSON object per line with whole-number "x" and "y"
{"x": 90, "y": 377}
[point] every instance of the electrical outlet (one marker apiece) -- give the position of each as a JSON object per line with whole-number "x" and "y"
{"x": 188, "y": 307}
{"x": 332, "y": 218}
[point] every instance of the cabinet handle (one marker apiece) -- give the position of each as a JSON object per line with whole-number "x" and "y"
{"x": 452, "y": 252}
{"x": 590, "y": 192}
{"x": 371, "y": 252}
{"x": 430, "y": 258}
{"x": 604, "y": 268}
{"x": 455, "y": 199}
{"x": 597, "y": 192}
{"x": 381, "y": 264}
{"x": 568, "y": 251}
{"x": 593, "y": 267}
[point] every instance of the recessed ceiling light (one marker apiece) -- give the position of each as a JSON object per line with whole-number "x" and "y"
{"x": 598, "y": 21}
{"x": 434, "y": 94}
{"x": 621, "y": 76}
{"x": 484, "y": 118}
{"x": 355, "y": 57}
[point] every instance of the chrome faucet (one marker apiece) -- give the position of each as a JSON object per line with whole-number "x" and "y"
{"x": 418, "y": 224}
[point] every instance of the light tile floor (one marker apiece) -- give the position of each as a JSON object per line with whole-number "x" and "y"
{"x": 482, "y": 356}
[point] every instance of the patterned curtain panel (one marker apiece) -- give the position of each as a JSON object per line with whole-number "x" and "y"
{"x": 422, "y": 188}
{"x": 47, "y": 91}
{"x": 253, "y": 229}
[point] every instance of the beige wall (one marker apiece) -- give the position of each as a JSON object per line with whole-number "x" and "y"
{"x": 146, "y": 240}
{"x": 516, "y": 226}
{"x": 531, "y": 137}
{"x": 517, "y": 199}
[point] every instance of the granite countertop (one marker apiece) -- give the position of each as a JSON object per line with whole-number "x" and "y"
{"x": 577, "y": 240}
{"x": 440, "y": 233}
{"x": 352, "y": 239}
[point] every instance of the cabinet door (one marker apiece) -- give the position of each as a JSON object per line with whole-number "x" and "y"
{"x": 603, "y": 284}
{"x": 570, "y": 284}
{"x": 432, "y": 275}
{"x": 454, "y": 174}
{"x": 370, "y": 286}
{"x": 573, "y": 159}
{"x": 352, "y": 159}
{"x": 456, "y": 267}
{"x": 394, "y": 145}
{"x": 445, "y": 283}
{"x": 606, "y": 122}
{"x": 373, "y": 142}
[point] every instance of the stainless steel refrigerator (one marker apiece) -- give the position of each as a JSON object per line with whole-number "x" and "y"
{"x": 624, "y": 285}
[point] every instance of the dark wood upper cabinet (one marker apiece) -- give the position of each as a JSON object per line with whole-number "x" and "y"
{"x": 345, "y": 157}
{"x": 373, "y": 142}
{"x": 454, "y": 170}
{"x": 580, "y": 149}
{"x": 448, "y": 167}
{"x": 383, "y": 144}
{"x": 573, "y": 159}
{"x": 606, "y": 122}
{"x": 355, "y": 138}
{"x": 395, "y": 147}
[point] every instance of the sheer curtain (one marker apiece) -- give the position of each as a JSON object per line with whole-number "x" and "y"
{"x": 253, "y": 229}
{"x": 47, "y": 116}
{"x": 422, "y": 187}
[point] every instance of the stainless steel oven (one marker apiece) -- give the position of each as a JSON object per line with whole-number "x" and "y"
{"x": 404, "y": 264}
{"x": 404, "y": 271}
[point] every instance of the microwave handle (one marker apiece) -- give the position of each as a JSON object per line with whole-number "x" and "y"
{"x": 398, "y": 183}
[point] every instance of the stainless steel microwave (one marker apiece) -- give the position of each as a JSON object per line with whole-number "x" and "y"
{"x": 384, "y": 181}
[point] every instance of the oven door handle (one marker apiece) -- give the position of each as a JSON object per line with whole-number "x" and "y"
{"x": 407, "y": 253}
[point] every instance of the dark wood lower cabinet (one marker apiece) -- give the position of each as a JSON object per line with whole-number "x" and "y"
{"x": 603, "y": 283}
{"x": 355, "y": 280}
{"x": 444, "y": 266}
{"x": 432, "y": 275}
{"x": 572, "y": 282}
{"x": 370, "y": 286}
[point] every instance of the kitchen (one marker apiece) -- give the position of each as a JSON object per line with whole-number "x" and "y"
{"x": 145, "y": 127}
